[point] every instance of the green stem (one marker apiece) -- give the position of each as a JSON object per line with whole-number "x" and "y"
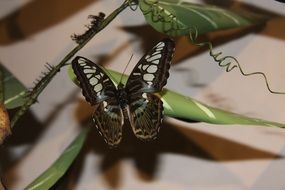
{"x": 45, "y": 80}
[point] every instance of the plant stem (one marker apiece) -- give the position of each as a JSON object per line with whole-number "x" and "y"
{"x": 45, "y": 80}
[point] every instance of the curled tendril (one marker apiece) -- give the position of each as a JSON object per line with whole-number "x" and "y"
{"x": 159, "y": 14}
{"x": 229, "y": 62}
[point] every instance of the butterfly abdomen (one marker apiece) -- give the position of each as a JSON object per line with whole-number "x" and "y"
{"x": 126, "y": 112}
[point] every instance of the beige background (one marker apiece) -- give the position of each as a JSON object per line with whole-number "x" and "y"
{"x": 195, "y": 156}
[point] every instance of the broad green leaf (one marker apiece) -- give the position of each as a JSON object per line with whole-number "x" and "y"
{"x": 14, "y": 90}
{"x": 186, "y": 108}
{"x": 178, "y": 17}
{"x": 49, "y": 177}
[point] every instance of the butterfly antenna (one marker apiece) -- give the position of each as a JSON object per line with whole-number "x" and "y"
{"x": 125, "y": 69}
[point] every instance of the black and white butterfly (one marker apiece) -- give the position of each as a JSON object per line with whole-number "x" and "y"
{"x": 135, "y": 101}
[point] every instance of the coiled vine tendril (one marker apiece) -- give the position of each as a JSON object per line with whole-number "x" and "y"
{"x": 229, "y": 62}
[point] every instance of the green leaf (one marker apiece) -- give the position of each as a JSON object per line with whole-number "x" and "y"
{"x": 177, "y": 17}
{"x": 14, "y": 90}
{"x": 49, "y": 177}
{"x": 186, "y": 108}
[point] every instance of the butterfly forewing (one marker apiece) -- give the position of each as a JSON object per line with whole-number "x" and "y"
{"x": 151, "y": 72}
{"x": 149, "y": 76}
{"x": 95, "y": 83}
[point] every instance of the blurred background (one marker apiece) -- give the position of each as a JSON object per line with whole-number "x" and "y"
{"x": 196, "y": 156}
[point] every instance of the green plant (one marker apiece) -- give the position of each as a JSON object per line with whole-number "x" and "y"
{"x": 167, "y": 17}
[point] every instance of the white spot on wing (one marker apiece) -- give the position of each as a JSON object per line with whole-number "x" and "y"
{"x": 98, "y": 76}
{"x": 144, "y": 95}
{"x": 154, "y": 57}
{"x": 148, "y": 77}
{"x": 105, "y": 103}
{"x": 160, "y": 44}
{"x": 89, "y": 71}
{"x": 156, "y": 52}
{"x": 98, "y": 87}
{"x": 81, "y": 62}
{"x": 93, "y": 81}
{"x": 152, "y": 69}
{"x": 145, "y": 67}
{"x": 155, "y": 61}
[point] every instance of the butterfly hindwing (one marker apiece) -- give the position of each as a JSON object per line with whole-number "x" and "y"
{"x": 149, "y": 76}
{"x": 99, "y": 90}
{"x": 109, "y": 120}
{"x": 146, "y": 115}
{"x": 95, "y": 83}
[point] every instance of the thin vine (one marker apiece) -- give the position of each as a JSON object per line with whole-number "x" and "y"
{"x": 229, "y": 62}
{"x": 32, "y": 95}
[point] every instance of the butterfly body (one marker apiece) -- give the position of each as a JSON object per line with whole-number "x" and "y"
{"x": 122, "y": 96}
{"x": 135, "y": 101}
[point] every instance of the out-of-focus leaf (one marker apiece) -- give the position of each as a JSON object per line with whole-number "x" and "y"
{"x": 49, "y": 177}
{"x": 14, "y": 90}
{"x": 186, "y": 108}
{"x": 178, "y": 17}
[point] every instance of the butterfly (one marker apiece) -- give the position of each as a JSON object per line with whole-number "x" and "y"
{"x": 135, "y": 101}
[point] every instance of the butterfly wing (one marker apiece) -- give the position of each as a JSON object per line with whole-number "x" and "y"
{"x": 149, "y": 76}
{"x": 95, "y": 83}
{"x": 151, "y": 72}
{"x": 109, "y": 120}
{"x": 146, "y": 113}
{"x": 99, "y": 90}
